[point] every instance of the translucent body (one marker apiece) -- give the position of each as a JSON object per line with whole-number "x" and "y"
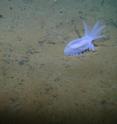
{"x": 78, "y": 46}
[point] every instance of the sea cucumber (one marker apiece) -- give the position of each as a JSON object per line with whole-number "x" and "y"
{"x": 85, "y": 43}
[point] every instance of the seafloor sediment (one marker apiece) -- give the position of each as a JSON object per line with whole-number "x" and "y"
{"x": 37, "y": 82}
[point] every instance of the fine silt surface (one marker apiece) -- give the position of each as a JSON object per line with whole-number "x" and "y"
{"x": 38, "y": 84}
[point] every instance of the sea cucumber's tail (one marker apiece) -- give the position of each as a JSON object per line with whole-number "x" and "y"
{"x": 96, "y": 31}
{"x": 87, "y": 29}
